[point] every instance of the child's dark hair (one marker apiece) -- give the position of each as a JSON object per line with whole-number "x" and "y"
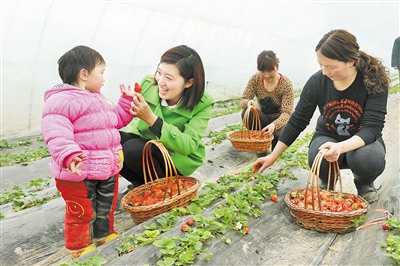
{"x": 267, "y": 61}
{"x": 74, "y": 60}
{"x": 342, "y": 46}
{"x": 189, "y": 64}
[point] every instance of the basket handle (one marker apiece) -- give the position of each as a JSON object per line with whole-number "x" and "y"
{"x": 313, "y": 177}
{"x": 148, "y": 165}
{"x": 255, "y": 121}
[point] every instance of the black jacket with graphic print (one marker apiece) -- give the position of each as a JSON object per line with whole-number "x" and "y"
{"x": 343, "y": 114}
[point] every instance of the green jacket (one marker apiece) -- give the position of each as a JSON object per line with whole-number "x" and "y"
{"x": 182, "y": 130}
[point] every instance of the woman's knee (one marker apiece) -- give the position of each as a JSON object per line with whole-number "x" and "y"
{"x": 133, "y": 150}
{"x": 368, "y": 161}
{"x": 313, "y": 148}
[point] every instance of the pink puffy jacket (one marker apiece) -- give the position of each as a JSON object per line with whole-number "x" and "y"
{"x": 76, "y": 121}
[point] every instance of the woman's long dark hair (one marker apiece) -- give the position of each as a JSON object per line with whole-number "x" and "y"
{"x": 342, "y": 46}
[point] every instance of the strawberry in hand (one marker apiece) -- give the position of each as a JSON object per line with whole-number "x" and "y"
{"x": 137, "y": 88}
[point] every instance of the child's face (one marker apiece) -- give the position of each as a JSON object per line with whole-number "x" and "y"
{"x": 95, "y": 79}
{"x": 170, "y": 83}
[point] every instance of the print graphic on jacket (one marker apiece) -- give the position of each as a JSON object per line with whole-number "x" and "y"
{"x": 342, "y": 126}
{"x": 343, "y": 117}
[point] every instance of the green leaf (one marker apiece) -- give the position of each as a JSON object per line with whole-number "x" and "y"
{"x": 165, "y": 242}
{"x": 194, "y": 208}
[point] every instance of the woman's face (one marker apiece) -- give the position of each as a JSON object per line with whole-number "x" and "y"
{"x": 334, "y": 69}
{"x": 268, "y": 75}
{"x": 170, "y": 83}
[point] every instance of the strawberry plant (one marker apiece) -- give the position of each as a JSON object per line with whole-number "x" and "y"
{"x": 185, "y": 251}
{"x": 392, "y": 244}
{"x": 25, "y": 197}
{"x": 218, "y": 136}
{"x": 164, "y": 222}
{"x": 357, "y": 221}
{"x": 9, "y": 145}
{"x": 91, "y": 261}
{"x": 392, "y": 224}
{"x": 125, "y": 245}
{"x": 226, "y": 107}
{"x": 239, "y": 201}
{"x": 29, "y": 155}
{"x": 147, "y": 237}
{"x": 295, "y": 155}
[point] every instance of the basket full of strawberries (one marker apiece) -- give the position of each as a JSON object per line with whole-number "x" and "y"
{"x": 251, "y": 138}
{"x": 160, "y": 194}
{"x": 325, "y": 210}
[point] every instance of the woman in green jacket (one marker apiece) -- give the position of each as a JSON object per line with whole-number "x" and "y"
{"x": 172, "y": 108}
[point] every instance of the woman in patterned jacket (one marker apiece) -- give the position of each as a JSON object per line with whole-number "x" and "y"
{"x": 274, "y": 93}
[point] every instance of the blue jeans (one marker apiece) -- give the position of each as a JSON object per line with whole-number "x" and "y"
{"x": 366, "y": 162}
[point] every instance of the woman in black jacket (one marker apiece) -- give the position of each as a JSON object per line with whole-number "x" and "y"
{"x": 351, "y": 92}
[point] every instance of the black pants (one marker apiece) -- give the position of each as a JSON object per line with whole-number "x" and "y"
{"x": 265, "y": 120}
{"x": 366, "y": 162}
{"x": 132, "y": 169}
{"x": 104, "y": 195}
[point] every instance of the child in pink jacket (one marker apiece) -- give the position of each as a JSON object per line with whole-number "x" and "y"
{"x": 80, "y": 127}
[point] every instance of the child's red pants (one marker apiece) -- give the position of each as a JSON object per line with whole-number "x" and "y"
{"x": 90, "y": 206}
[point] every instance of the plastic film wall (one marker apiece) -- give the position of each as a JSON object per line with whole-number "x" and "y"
{"x": 132, "y": 35}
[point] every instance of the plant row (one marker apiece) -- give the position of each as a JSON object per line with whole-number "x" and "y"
{"x": 233, "y": 199}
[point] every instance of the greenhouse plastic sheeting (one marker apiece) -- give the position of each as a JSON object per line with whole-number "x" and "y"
{"x": 131, "y": 36}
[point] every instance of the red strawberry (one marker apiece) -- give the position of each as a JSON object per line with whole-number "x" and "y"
{"x": 274, "y": 198}
{"x": 137, "y": 87}
{"x": 246, "y": 230}
{"x": 385, "y": 227}
{"x": 184, "y": 227}
{"x": 190, "y": 222}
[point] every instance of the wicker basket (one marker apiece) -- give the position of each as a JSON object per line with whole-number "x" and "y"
{"x": 325, "y": 221}
{"x": 252, "y": 139}
{"x": 141, "y": 214}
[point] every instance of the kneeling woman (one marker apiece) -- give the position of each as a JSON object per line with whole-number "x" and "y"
{"x": 274, "y": 93}
{"x": 174, "y": 109}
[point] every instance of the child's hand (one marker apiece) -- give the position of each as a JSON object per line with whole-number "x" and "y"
{"x": 75, "y": 164}
{"x": 127, "y": 91}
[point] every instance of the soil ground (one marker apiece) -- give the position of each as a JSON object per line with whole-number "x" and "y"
{"x": 35, "y": 236}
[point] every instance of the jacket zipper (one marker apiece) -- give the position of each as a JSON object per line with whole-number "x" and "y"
{"x": 107, "y": 127}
